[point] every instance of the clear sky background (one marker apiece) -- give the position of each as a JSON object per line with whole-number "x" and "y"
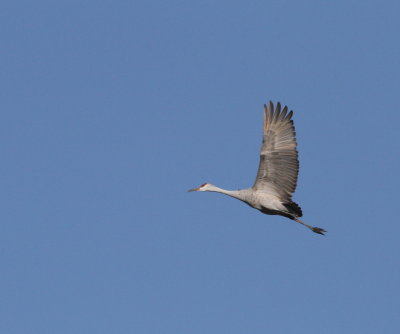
{"x": 111, "y": 110}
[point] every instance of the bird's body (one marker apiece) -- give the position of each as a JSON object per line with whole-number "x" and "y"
{"x": 260, "y": 200}
{"x": 277, "y": 172}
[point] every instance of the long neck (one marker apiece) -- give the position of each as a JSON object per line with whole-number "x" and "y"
{"x": 233, "y": 193}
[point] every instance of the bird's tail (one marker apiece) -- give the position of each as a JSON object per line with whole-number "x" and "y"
{"x": 312, "y": 228}
{"x": 293, "y": 208}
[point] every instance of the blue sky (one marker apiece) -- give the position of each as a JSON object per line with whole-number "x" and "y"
{"x": 111, "y": 110}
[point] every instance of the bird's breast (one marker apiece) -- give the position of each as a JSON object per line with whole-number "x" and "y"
{"x": 269, "y": 201}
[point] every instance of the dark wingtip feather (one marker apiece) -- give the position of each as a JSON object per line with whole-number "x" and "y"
{"x": 278, "y": 107}
{"x": 284, "y": 111}
{"x": 276, "y": 112}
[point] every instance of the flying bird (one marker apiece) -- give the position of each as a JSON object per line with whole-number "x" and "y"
{"x": 277, "y": 172}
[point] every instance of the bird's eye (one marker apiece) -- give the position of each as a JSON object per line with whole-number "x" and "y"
{"x": 203, "y": 185}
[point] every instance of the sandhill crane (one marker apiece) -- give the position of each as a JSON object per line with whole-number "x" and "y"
{"x": 277, "y": 172}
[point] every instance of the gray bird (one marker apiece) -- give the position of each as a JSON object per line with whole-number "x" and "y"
{"x": 277, "y": 172}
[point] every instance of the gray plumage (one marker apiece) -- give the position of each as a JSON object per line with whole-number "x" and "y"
{"x": 277, "y": 172}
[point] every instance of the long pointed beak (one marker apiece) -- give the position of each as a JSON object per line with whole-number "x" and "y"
{"x": 194, "y": 189}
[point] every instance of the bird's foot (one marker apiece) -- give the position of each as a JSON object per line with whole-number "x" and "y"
{"x": 318, "y": 230}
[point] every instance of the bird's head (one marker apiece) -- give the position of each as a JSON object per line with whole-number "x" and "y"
{"x": 203, "y": 187}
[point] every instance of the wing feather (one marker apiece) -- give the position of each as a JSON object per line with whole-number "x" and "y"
{"x": 279, "y": 164}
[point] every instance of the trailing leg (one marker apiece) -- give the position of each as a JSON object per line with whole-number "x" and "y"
{"x": 312, "y": 228}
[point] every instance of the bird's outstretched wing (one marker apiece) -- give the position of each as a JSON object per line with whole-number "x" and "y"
{"x": 279, "y": 164}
